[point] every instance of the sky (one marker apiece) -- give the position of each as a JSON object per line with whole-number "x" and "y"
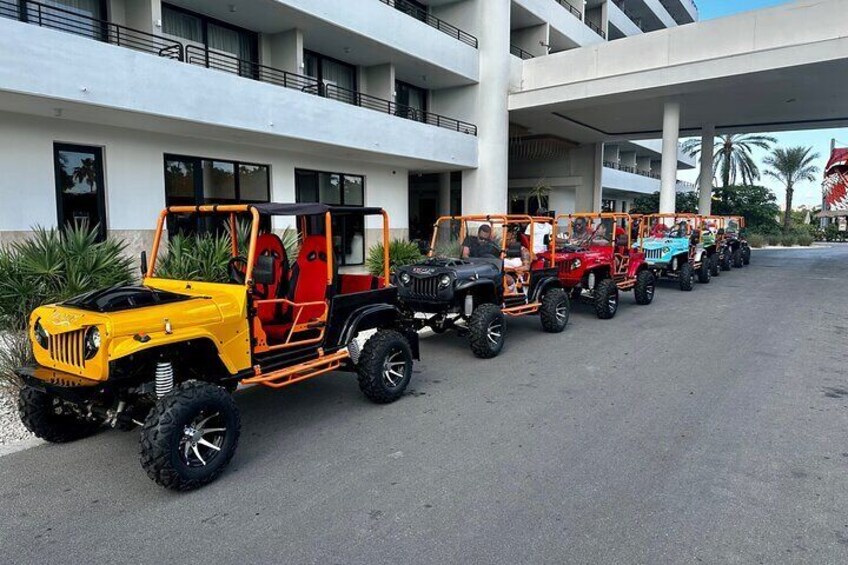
{"x": 808, "y": 193}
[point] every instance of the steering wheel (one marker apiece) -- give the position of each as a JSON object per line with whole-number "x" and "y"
{"x": 237, "y": 269}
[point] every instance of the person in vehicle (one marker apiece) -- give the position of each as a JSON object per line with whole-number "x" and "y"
{"x": 481, "y": 245}
{"x": 681, "y": 229}
{"x": 659, "y": 230}
{"x": 540, "y": 230}
{"x": 580, "y": 235}
{"x": 516, "y": 266}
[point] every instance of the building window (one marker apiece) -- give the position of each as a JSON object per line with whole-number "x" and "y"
{"x": 607, "y": 205}
{"x": 339, "y": 189}
{"x": 80, "y": 197}
{"x": 337, "y": 78}
{"x": 411, "y": 101}
{"x": 191, "y": 181}
{"x": 191, "y": 27}
{"x": 73, "y": 16}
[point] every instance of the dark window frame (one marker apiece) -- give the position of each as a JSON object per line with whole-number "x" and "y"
{"x": 342, "y": 219}
{"x": 98, "y": 151}
{"x": 321, "y": 58}
{"x": 206, "y": 20}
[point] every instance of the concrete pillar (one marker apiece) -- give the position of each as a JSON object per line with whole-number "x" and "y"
{"x": 444, "y": 194}
{"x": 484, "y": 190}
{"x": 598, "y": 180}
{"x": 705, "y": 200}
{"x": 671, "y": 137}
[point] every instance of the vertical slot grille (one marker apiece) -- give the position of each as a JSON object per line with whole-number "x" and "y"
{"x": 68, "y": 348}
{"x": 426, "y": 287}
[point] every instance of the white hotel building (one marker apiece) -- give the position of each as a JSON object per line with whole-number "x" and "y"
{"x": 111, "y": 109}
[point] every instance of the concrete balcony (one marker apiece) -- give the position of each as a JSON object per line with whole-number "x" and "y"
{"x": 567, "y": 29}
{"x": 683, "y": 11}
{"x": 652, "y": 14}
{"x": 636, "y": 181}
{"x": 52, "y": 73}
{"x": 624, "y": 22}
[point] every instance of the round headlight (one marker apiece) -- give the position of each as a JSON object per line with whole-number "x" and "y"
{"x": 576, "y": 264}
{"x": 444, "y": 281}
{"x": 41, "y": 335}
{"x": 405, "y": 278}
{"x": 92, "y": 342}
{"x": 666, "y": 250}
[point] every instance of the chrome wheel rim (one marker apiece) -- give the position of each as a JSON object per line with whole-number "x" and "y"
{"x": 649, "y": 291}
{"x": 394, "y": 368}
{"x": 612, "y": 302}
{"x": 494, "y": 332}
{"x": 202, "y": 439}
{"x": 561, "y": 312}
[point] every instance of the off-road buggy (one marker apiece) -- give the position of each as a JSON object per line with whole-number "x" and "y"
{"x": 473, "y": 294}
{"x": 738, "y": 252}
{"x": 711, "y": 236}
{"x": 166, "y": 354}
{"x": 672, "y": 247}
{"x": 596, "y": 260}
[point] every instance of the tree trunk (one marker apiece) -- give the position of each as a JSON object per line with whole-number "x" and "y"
{"x": 725, "y": 167}
{"x": 787, "y": 216}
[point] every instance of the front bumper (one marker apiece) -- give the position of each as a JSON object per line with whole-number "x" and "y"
{"x": 62, "y": 384}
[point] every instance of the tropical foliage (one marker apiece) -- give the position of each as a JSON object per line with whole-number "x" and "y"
{"x": 733, "y": 158}
{"x": 650, "y": 203}
{"x": 401, "y": 252}
{"x": 790, "y": 166}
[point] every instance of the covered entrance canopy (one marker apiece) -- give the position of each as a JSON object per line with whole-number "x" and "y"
{"x": 784, "y": 68}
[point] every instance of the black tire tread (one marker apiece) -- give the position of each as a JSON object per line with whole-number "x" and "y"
{"x": 685, "y": 276}
{"x": 36, "y": 416}
{"x": 161, "y": 421}
{"x": 370, "y": 366}
{"x": 478, "y": 325}
{"x": 547, "y": 312}
{"x": 602, "y": 291}
{"x": 644, "y": 280}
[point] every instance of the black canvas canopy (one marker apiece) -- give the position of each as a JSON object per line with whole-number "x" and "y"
{"x": 312, "y": 209}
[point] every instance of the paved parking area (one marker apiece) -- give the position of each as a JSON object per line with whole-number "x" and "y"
{"x": 709, "y": 427}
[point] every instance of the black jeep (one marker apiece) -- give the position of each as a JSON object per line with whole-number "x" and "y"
{"x": 484, "y": 280}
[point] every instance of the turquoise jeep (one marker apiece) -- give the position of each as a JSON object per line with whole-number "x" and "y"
{"x": 675, "y": 252}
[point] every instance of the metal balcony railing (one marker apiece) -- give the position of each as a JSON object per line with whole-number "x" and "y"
{"x": 60, "y": 19}
{"x": 630, "y": 15}
{"x": 432, "y": 21}
{"x": 389, "y": 107}
{"x": 231, "y": 64}
{"x": 519, "y": 52}
{"x": 52, "y": 17}
{"x": 631, "y": 169}
{"x": 596, "y": 28}
{"x": 574, "y": 11}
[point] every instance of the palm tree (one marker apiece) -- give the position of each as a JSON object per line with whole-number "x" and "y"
{"x": 790, "y": 166}
{"x": 732, "y": 156}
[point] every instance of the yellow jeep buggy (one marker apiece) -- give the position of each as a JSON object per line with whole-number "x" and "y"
{"x": 167, "y": 354}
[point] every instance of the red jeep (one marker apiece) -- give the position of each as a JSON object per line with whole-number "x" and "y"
{"x": 597, "y": 259}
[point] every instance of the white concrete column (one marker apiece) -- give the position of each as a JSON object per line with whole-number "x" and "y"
{"x": 444, "y": 194}
{"x": 598, "y": 178}
{"x": 671, "y": 137}
{"x": 705, "y": 183}
{"x": 484, "y": 190}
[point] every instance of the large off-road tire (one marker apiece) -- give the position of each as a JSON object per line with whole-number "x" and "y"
{"x": 686, "y": 276}
{"x": 746, "y": 255}
{"x": 385, "y": 367}
{"x": 704, "y": 274}
{"x": 46, "y": 417}
{"x": 190, "y": 436}
{"x": 606, "y": 299}
{"x": 715, "y": 269}
{"x": 486, "y": 331}
{"x": 738, "y": 262}
{"x": 554, "y": 310}
{"x": 646, "y": 287}
{"x": 725, "y": 261}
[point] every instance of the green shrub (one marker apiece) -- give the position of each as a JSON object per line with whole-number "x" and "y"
{"x": 787, "y": 240}
{"x": 805, "y": 240}
{"x": 47, "y": 267}
{"x": 773, "y": 239}
{"x": 451, "y": 249}
{"x": 756, "y": 240}
{"x": 204, "y": 257}
{"x": 401, "y": 253}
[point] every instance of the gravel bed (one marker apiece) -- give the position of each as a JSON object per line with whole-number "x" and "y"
{"x": 11, "y": 428}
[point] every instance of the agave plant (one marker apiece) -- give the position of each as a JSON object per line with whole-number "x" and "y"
{"x": 401, "y": 252}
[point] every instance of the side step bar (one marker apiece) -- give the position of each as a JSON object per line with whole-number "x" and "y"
{"x": 301, "y": 371}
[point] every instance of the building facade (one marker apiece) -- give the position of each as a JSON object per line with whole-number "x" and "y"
{"x": 112, "y": 109}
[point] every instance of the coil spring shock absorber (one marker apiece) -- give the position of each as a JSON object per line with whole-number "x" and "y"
{"x": 164, "y": 378}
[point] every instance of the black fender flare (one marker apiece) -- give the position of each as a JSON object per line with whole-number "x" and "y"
{"x": 487, "y": 285}
{"x": 544, "y": 286}
{"x": 378, "y": 316}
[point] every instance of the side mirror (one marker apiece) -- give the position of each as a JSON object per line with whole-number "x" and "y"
{"x": 263, "y": 270}
{"x": 143, "y": 264}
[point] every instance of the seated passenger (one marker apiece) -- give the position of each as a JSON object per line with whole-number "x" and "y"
{"x": 659, "y": 231}
{"x": 540, "y": 231}
{"x": 518, "y": 265}
{"x": 581, "y": 234}
{"x": 481, "y": 245}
